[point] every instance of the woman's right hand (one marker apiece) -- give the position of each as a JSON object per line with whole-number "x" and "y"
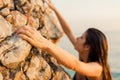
{"x": 31, "y": 35}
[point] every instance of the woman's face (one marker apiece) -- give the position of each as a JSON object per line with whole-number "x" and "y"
{"x": 80, "y": 43}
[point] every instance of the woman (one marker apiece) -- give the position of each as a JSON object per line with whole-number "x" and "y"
{"x": 91, "y": 46}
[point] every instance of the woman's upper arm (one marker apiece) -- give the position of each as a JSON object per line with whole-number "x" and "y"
{"x": 92, "y": 69}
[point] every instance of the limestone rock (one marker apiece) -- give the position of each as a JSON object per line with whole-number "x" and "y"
{"x": 18, "y": 59}
{"x": 53, "y": 26}
{"x": 17, "y": 19}
{"x": 5, "y": 12}
{"x": 5, "y": 28}
{"x": 13, "y": 50}
{"x": 6, "y": 3}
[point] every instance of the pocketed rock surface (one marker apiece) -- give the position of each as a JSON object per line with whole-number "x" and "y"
{"x": 18, "y": 59}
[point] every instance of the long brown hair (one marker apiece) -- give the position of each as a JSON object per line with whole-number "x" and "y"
{"x": 98, "y": 50}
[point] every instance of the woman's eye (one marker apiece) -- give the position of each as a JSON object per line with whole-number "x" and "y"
{"x": 81, "y": 37}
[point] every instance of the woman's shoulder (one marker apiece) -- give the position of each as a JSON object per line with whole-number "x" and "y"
{"x": 93, "y": 69}
{"x": 95, "y": 65}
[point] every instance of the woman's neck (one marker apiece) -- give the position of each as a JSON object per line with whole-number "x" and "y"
{"x": 83, "y": 57}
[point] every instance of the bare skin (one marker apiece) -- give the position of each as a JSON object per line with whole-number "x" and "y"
{"x": 92, "y": 70}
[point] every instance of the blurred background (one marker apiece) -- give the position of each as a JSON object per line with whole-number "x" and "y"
{"x": 101, "y": 14}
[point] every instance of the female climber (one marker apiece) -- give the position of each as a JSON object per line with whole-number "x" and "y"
{"x": 92, "y": 48}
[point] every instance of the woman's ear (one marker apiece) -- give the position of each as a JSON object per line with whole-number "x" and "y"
{"x": 87, "y": 47}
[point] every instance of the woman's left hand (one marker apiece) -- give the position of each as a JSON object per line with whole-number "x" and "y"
{"x": 31, "y": 35}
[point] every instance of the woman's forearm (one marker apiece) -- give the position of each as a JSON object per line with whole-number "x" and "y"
{"x": 65, "y": 26}
{"x": 63, "y": 57}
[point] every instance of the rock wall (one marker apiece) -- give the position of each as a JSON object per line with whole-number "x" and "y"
{"x": 18, "y": 59}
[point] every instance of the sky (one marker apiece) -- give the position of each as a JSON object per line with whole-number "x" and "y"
{"x": 82, "y": 14}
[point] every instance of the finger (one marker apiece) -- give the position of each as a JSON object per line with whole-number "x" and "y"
{"x": 47, "y": 1}
{"x": 25, "y": 32}
{"x": 31, "y": 29}
{"x": 25, "y": 28}
{"x": 24, "y": 37}
{"x": 18, "y": 29}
